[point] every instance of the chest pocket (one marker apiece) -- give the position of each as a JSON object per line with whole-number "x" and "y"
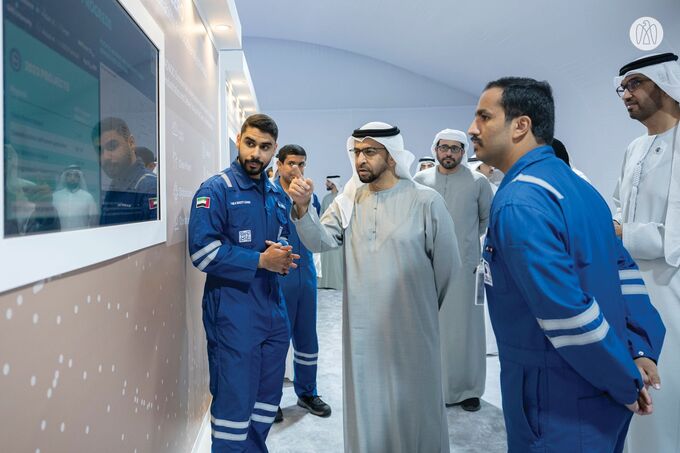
{"x": 242, "y": 222}
{"x": 494, "y": 270}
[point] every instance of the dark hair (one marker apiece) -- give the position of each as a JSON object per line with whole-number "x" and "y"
{"x": 560, "y": 150}
{"x": 290, "y": 150}
{"x": 111, "y": 124}
{"x": 262, "y": 122}
{"x": 145, "y": 154}
{"x": 525, "y": 96}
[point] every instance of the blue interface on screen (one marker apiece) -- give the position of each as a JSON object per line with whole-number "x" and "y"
{"x": 80, "y": 101}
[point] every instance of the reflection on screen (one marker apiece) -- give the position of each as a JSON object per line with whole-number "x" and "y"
{"x": 81, "y": 94}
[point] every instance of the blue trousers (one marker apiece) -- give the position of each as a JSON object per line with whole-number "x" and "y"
{"x": 247, "y": 346}
{"x": 299, "y": 291}
{"x": 548, "y": 408}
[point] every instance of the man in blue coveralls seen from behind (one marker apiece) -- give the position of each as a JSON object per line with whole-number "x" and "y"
{"x": 551, "y": 269}
{"x": 299, "y": 291}
{"x": 238, "y": 236}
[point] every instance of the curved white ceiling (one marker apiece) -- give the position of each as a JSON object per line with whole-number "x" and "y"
{"x": 464, "y": 43}
{"x": 577, "y": 45}
{"x": 292, "y": 75}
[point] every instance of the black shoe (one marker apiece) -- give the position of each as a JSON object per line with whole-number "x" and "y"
{"x": 279, "y": 415}
{"x": 315, "y": 405}
{"x": 471, "y": 404}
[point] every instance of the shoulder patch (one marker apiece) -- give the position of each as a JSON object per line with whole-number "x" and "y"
{"x": 203, "y": 202}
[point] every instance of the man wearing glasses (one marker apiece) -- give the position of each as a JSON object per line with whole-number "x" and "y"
{"x": 461, "y": 322}
{"x": 647, "y": 219}
{"x": 401, "y": 258}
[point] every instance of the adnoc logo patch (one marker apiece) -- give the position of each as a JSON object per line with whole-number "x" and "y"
{"x": 646, "y": 33}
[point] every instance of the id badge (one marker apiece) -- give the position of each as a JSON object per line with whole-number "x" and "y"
{"x": 488, "y": 279}
{"x": 480, "y": 298}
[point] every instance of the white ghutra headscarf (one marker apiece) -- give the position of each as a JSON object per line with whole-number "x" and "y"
{"x": 390, "y": 137}
{"x": 664, "y": 71}
{"x": 451, "y": 134}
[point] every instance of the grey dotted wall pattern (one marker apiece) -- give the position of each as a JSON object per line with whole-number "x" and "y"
{"x": 112, "y": 358}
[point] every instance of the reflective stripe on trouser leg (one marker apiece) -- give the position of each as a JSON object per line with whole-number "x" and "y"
{"x": 234, "y": 391}
{"x": 273, "y": 352}
{"x": 305, "y": 341}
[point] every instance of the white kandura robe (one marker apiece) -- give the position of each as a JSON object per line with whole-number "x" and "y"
{"x": 644, "y": 235}
{"x": 76, "y": 209}
{"x": 400, "y": 260}
{"x": 331, "y": 261}
{"x": 468, "y": 197}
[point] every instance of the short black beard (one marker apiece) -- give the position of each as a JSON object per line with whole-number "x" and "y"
{"x": 372, "y": 177}
{"x": 250, "y": 172}
{"x": 448, "y": 166}
{"x": 644, "y": 114}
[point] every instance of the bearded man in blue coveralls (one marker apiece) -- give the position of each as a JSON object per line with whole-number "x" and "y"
{"x": 237, "y": 236}
{"x": 299, "y": 291}
{"x": 555, "y": 276}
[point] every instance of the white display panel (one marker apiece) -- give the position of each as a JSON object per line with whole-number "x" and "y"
{"x": 30, "y": 255}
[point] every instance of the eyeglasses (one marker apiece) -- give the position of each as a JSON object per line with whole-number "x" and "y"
{"x": 631, "y": 86}
{"x": 454, "y": 149}
{"x": 367, "y": 152}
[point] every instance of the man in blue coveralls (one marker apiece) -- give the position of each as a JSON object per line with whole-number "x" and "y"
{"x": 566, "y": 336}
{"x": 299, "y": 291}
{"x": 132, "y": 195}
{"x": 237, "y": 236}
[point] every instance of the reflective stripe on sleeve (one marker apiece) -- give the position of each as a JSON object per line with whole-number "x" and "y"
{"x": 630, "y": 274}
{"x": 208, "y": 259}
{"x": 539, "y": 182}
{"x": 630, "y": 290}
{"x": 582, "y": 339}
{"x": 574, "y": 322}
{"x": 205, "y": 250}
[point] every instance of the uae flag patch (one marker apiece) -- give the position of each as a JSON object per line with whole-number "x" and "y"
{"x": 203, "y": 202}
{"x": 153, "y": 203}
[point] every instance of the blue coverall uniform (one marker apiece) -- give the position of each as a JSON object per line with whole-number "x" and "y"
{"x": 568, "y": 309}
{"x": 244, "y": 315}
{"x": 132, "y": 198}
{"x": 299, "y": 291}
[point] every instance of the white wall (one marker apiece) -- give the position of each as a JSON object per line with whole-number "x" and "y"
{"x": 596, "y": 130}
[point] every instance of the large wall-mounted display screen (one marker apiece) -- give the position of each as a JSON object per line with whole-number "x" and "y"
{"x": 81, "y": 117}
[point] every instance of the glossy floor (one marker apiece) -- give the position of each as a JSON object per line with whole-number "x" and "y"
{"x": 301, "y": 432}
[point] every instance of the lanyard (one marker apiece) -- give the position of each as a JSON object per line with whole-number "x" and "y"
{"x": 637, "y": 174}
